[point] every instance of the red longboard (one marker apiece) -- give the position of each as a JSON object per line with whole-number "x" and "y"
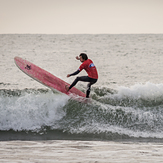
{"x": 45, "y": 77}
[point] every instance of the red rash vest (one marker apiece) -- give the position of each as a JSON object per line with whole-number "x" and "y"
{"x": 90, "y": 68}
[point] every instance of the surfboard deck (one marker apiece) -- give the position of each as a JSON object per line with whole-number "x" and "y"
{"x": 46, "y": 78}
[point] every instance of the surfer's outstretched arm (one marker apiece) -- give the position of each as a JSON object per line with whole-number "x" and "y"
{"x": 75, "y": 73}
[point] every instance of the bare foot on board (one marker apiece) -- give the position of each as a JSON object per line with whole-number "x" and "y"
{"x": 67, "y": 88}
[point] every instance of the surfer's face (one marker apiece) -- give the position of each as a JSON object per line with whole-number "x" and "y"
{"x": 81, "y": 59}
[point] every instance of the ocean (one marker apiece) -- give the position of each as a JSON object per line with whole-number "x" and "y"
{"x": 126, "y": 108}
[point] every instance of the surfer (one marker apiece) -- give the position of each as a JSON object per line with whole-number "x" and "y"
{"x": 91, "y": 70}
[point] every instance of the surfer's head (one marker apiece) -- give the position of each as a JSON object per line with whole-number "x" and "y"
{"x": 83, "y": 57}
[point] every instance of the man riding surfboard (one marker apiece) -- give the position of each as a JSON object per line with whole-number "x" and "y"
{"x": 91, "y": 70}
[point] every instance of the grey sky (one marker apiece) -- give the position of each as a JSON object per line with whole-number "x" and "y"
{"x": 81, "y": 16}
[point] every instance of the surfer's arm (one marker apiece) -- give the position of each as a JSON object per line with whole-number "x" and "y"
{"x": 75, "y": 73}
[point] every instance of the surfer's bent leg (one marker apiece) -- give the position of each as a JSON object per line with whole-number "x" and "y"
{"x": 88, "y": 90}
{"x": 81, "y": 78}
{"x": 84, "y": 79}
{"x": 93, "y": 81}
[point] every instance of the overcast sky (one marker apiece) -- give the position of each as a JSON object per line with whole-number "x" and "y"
{"x": 81, "y": 16}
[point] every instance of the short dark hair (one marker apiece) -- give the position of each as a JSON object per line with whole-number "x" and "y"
{"x": 84, "y": 56}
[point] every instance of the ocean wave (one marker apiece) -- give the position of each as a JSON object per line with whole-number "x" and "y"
{"x": 127, "y": 112}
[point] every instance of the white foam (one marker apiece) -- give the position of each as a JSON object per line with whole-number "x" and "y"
{"x": 31, "y": 111}
{"x": 145, "y": 91}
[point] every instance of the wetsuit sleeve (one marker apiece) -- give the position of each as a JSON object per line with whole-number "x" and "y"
{"x": 75, "y": 73}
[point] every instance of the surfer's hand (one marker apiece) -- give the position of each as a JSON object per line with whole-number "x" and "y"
{"x": 68, "y": 75}
{"x": 77, "y": 58}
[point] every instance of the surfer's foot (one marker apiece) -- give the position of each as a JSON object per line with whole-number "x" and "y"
{"x": 67, "y": 88}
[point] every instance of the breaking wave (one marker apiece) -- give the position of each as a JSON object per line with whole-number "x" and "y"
{"x": 134, "y": 112}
